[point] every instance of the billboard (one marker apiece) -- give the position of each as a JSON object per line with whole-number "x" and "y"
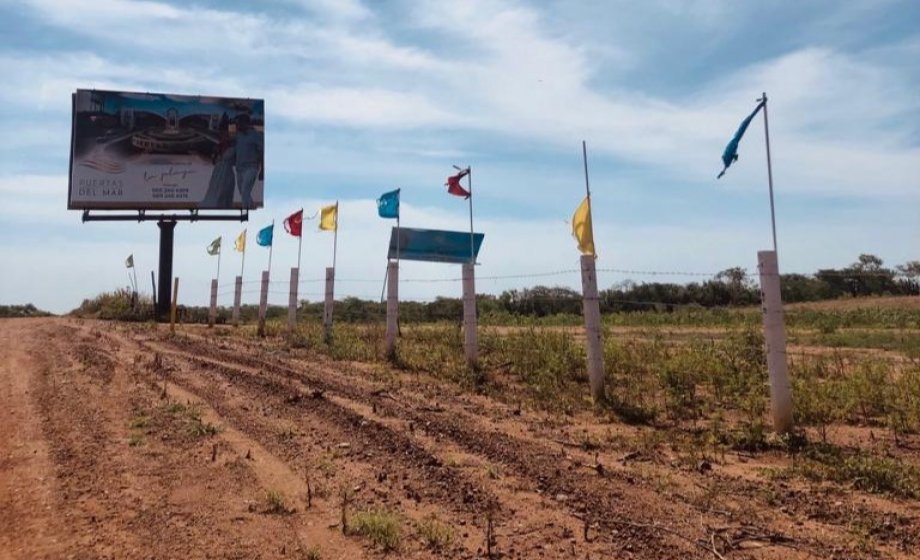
{"x": 433, "y": 245}
{"x": 142, "y": 151}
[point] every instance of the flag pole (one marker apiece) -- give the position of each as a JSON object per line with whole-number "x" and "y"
{"x": 335, "y": 235}
{"x": 243, "y": 262}
{"x": 220, "y": 250}
{"x": 300, "y": 241}
{"x": 584, "y": 153}
{"x": 469, "y": 178}
{"x": 134, "y": 270}
{"x": 766, "y": 131}
{"x": 271, "y": 247}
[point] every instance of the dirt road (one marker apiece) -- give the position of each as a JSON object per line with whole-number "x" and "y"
{"x": 120, "y": 441}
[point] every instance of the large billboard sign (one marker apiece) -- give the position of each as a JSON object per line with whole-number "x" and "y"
{"x": 433, "y": 245}
{"x": 143, "y": 151}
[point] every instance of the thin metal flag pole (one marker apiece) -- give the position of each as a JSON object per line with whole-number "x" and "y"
{"x": 134, "y": 270}
{"x": 300, "y": 241}
{"x": 335, "y": 235}
{"x": 469, "y": 179}
{"x": 766, "y": 131}
{"x": 397, "y": 238}
{"x": 584, "y": 153}
{"x": 384, "y": 288}
{"x": 220, "y": 250}
{"x": 271, "y": 247}
{"x": 243, "y": 262}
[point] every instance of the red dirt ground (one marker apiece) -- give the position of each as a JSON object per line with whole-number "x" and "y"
{"x": 97, "y": 462}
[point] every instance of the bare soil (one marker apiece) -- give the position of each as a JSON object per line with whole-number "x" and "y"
{"x": 122, "y": 441}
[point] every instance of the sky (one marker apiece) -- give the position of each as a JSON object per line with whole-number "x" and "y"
{"x": 364, "y": 97}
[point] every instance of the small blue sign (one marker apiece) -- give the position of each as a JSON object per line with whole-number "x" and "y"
{"x": 434, "y": 245}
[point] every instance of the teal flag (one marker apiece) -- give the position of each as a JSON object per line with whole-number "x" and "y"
{"x": 730, "y": 155}
{"x": 265, "y": 235}
{"x": 388, "y": 204}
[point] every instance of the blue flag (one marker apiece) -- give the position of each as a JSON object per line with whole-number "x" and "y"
{"x": 388, "y": 204}
{"x": 265, "y": 235}
{"x": 730, "y": 155}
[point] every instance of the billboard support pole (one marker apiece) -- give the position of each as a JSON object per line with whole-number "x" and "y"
{"x": 167, "y": 231}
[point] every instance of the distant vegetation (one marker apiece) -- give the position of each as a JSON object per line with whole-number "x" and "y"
{"x": 119, "y": 305}
{"x": 731, "y": 288}
{"x": 16, "y": 311}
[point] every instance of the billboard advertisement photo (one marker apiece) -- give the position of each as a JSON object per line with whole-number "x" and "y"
{"x": 161, "y": 151}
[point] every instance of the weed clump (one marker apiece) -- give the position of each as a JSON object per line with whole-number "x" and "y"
{"x": 382, "y": 527}
{"x": 435, "y": 534}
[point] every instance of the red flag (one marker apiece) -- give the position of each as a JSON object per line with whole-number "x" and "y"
{"x": 293, "y": 224}
{"x": 453, "y": 184}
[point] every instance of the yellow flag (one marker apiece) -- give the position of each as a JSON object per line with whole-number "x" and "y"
{"x": 329, "y": 217}
{"x": 582, "y": 229}
{"x": 240, "y": 243}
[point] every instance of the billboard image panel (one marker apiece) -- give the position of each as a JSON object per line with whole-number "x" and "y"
{"x": 162, "y": 151}
{"x": 433, "y": 245}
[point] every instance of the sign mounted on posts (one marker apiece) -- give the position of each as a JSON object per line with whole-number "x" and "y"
{"x": 139, "y": 151}
{"x": 433, "y": 245}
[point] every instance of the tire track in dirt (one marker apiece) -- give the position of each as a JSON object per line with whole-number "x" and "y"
{"x": 26, "y": 490}
{"x": 159, "y": 498}
{"x": 608, "y": 503}
{"x": 384, "y": 463}
{"x": 535, "y": 462}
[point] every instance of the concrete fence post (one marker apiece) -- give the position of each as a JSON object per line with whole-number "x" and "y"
{"x": 292, "y": 298}
{"x": 263, "y": 303}
{"x": 237, "y": 298}
{"x": 774, "y": 334}
{"x": 392, "y": 308}
{"x": 593, "y": 334}
{"x": 470, "y": 341}
{"x": 212, "y": 311}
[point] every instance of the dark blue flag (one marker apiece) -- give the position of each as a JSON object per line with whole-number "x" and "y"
{"x": 388, "y": 204}
{"x": 730, "y": 155}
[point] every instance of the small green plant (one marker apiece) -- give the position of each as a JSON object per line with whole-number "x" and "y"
{"x": 312, "y": 553}
{"x": 276, "y": 504}
{"x": 136, "y": 439}
{"x": 382, "y": 527}
{"x": 435, "y": 534}
{"x": 139, "y": 422}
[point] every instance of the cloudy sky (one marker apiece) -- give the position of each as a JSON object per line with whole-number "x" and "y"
{"x": 366, "y": 97}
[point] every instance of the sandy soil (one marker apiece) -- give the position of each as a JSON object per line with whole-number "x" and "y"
{"x": 98, "y": 460}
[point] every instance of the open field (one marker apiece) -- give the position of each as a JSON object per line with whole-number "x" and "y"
{"x": 123, "y": 441}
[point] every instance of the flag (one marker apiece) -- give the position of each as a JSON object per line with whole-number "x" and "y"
{"x": 453, "y": 184}
{"x": 214, "y": 247}
{"x": 388, "y": 205}
{"x": 329, "y": 217}
{"x": 293, "y": 224}
{"x": 730, "y": 155}
{"x": 583, "y": 229}
{"x": 265, "y": 235}
{"x": 129, "y": 262}
{"x": 240, "y": 243}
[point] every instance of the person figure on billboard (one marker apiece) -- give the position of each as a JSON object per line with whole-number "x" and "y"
{"x": 248, "y": 156}
{"x": 222, "y": 183}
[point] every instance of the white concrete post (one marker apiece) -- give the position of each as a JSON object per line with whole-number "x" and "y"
{"x": 237, "y": 297}
{"x": 470, "y": 342}
{"x": 330, "y": 301}
{"x": 774, "y": 334}
{"x": 212, "y": 312}
{"x": 292, "y": 298}
{"x": 592, "y": 312}
{"x": 392, "y": 307}
{"x": 263, "y": 303}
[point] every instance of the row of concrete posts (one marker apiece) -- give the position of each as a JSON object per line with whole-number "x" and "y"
{"x": 771, "y": 301}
